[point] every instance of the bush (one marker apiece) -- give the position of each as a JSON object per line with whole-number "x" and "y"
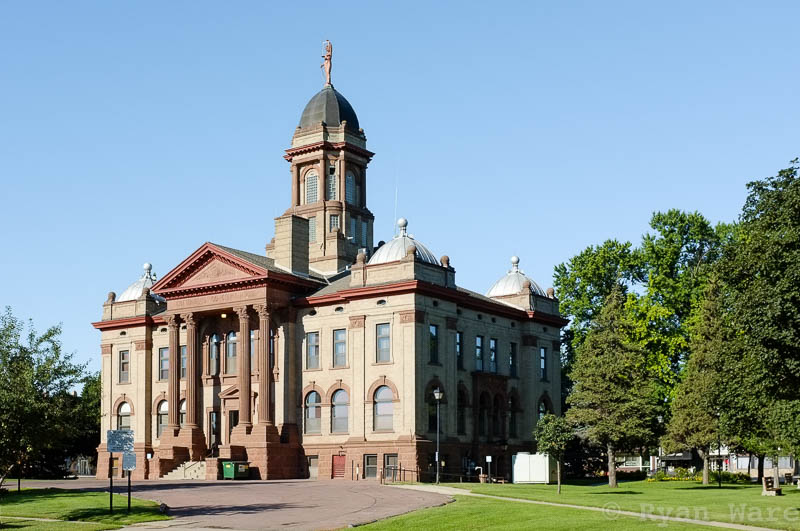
{"x": 634, "y": 475}
{"x": 728, "y": 477}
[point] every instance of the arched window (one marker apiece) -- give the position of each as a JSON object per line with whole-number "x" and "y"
{"x": 497, "y": 416}
{"x": 543, "y": 409}
{"x": 463, "y": 399}
{"x": 124, "y": 416}
{"x": 213, "y": 355}
{"x": 483, "y": 413}
{"x": 230, "y": 353}
{"x": 350, "y": 188}
{"x": 313, "y": 413}
{"x": 513, "y": 406}
{"x": 383, "y": 414}
{"x": 182, "y": 411}
{"x": 311, "y": 187}
{"x": 340, "y": 412}
{"x": 162, "y": 417}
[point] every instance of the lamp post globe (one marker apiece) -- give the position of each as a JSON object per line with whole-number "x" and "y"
{"x": 437, "y": 395}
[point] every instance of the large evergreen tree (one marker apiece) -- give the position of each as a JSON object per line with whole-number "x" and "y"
{"x": 612, "y": 400}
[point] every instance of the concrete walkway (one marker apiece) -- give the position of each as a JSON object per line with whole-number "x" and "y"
{"x": 608, "y": 512}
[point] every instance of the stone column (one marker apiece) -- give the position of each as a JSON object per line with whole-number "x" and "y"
{"x": 265, "y": 379}
{"x": 191, "y": 370}
{"x": 243, "y": 359}
{"x": 173, "y": 385}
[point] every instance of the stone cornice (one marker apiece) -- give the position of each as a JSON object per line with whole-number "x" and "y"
{"x": 323, "y": 145}
{"x": 144, "y": 320}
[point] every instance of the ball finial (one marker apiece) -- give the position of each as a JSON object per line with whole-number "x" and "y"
{"x": 148, "y": 267}
{"x": 515, "y": 260}
{"x": 402, "y": 223}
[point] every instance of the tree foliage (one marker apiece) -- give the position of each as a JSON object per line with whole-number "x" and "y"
{"x": 35, "y": 380}
{"x": 612, "y": 401}
{"x": 694, "y": 423}
{"x": 762, "y": 269}
{"x": 552, "y": 435}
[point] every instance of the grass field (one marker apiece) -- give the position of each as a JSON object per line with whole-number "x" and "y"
{"x": 34, "y": 525}
{"x": 482, "y": 513}
{"x": 742, "y": 504}
{"x": 61, "y": 504}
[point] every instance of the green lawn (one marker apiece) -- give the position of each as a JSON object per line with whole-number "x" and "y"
{"x": 60, "y": 504}
{"x": 33, "y": 525}
{"x": 481, "y": 513}
{"x": 741, "y": 504}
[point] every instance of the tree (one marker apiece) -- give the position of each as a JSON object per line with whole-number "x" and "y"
{"x": 35, "y": 379}
{"x": 694, "y": 422}
{"x": 552, "y": 435}
{"x": 612, "y": 400}
{"x": 762, "y": 269}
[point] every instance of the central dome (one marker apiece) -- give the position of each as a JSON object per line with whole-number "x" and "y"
{"x": 330, "y": 107}
{"x": 397, "y": 248}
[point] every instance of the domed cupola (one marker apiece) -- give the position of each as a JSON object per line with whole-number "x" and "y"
{"x": 514, "y": 282}
{"x": 134, "y": 291}
{"x": 397, "y": 248}
{"x": 330, "y": 107}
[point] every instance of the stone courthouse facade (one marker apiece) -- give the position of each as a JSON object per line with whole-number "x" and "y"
{"x": 319, "y": 356}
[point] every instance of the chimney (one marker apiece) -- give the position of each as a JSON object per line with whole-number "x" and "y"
{"x": 291, "y": 243}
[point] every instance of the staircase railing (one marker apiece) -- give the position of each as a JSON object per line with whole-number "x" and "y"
{"x": 187, "y": 466}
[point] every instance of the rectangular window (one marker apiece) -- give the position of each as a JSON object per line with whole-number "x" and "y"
{"x": 354, "y": 230}
{"x": 233, "y": 421}
{"x": 383, "y": 343}
{"x": 312, "y": 350}
{"x": 163, "y": 363}
{"x": 460, "y": 350}
{"x": 312, "y": 229}
{"x": 213, "y": 429}
{"x": 493, "y": 355}
{"x": 340, "y": 348}
{"x": 370, "y": 466}
{"x": 124, "y": 366}
{"x": 363, "y": 233}
{"x": 512, "y": 360}
{"x": 434, "y": 343}
{"x": 334, "y": 222}
{"x": 478, "y": 353}
{"x": 330, "y": 189}
{"x": 183, "y": 362}
{"x": 543, "y": 364}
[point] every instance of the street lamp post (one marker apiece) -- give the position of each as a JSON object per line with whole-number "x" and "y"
{"x": 437, "y": 394}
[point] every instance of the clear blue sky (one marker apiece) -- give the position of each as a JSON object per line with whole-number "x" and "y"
{"x": 136, "y": 131}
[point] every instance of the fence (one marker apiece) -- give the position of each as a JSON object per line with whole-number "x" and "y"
{"x": 398, "y": 474}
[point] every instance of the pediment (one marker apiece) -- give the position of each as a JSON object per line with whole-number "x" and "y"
{"x": 215, "y": 270}
{"x": 208, "y": 266}
{"x": 230, "y": 392}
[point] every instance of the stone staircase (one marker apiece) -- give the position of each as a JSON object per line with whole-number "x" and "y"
{"x": 188, "y": 470}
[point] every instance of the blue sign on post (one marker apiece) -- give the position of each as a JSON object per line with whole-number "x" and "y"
{"x": 128, "y": 461}
{"x": 119, "y": 440}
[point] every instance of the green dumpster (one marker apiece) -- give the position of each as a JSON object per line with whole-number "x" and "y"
{"x": 235, "y": 470}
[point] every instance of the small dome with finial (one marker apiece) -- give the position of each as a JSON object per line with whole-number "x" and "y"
{"x": 514, "y": 282}
{"x": 135, "y": 290}
{"x": 398, "y": 248}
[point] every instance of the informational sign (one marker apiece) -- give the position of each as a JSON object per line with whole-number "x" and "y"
{"x": 488, "y": 458}
{"x": 128, "y": 461}
{"x": 119, "y": 440}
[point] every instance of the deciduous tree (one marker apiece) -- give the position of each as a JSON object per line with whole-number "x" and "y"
{"x": 552, "y": 435}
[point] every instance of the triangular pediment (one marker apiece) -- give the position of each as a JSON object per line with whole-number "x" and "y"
{"x": 208, "y": 266}
{"x": 215, "y": 270}
{"x": 230, "y": 392}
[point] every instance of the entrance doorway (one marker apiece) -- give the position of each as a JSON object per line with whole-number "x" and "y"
{"x": 338, "y": 466}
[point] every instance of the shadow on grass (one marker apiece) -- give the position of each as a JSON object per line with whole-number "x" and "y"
{"x": 11, "y": 524}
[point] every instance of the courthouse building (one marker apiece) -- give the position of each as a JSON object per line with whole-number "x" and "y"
{"x": 318, "y": 356}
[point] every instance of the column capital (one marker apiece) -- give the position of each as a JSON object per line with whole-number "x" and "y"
{"x": 263, "y": 310}
{"x": 243, "y": 311}
{"x": 188, "y": 318}
{"x": 172, "y": 321}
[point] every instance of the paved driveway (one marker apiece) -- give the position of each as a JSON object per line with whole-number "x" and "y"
{"x": 293, "y": 504}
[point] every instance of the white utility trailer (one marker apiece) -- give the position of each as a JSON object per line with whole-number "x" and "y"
{"x": 533, "y": 468}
